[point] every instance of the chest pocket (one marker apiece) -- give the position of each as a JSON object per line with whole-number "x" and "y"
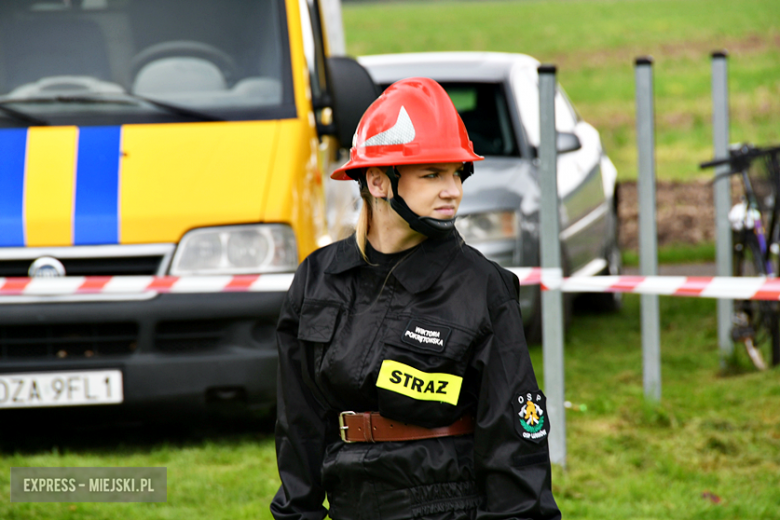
{"x": 421, "y": 377}
{"x": 317, "y": 325}
{"x": 433, "y": 344}
{"x": 318, "y": 321}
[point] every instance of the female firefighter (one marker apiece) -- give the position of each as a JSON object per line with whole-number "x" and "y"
{"x": 405, "y": 386}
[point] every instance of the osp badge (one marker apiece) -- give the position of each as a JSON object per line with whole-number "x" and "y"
{"x": 532, "y": 423}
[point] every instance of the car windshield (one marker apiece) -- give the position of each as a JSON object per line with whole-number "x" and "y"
{"x": 484, "y": 111}
{"x": 122, "y": 61}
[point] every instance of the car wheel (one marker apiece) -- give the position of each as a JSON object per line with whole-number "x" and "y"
{"x": 533, "y": 331}
{"x": 610, "y": 302}
{"x": 607, "y": 301}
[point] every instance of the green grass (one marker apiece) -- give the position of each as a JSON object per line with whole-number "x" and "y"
{"x": 220, "y": 477}
{"x": 626, "y": 458}
{"x": 711, "y": 433}
{"x": 594, "y": 42}
{"x": 676, "y": 254}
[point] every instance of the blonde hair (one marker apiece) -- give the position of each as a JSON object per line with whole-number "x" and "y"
{"x": 362, "y": 228}
{"x": 364, "y": 221}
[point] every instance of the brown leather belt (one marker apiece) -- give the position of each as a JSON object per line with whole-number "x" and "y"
{"x": 372, "y": 427}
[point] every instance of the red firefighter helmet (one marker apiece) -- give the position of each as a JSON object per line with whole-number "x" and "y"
{"x": 412, "y": 122}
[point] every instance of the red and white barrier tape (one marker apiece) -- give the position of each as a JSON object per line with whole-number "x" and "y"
{"x": 736, "y": 288}
{"x": 548, "y": 278}
{"x": 741, "y": 288}
{"x": 728, "y": 287}
{"x": 115, "y": 285}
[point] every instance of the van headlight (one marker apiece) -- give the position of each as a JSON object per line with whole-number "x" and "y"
{"x": 486, "y": 227}
{"x": 262, "y": 248}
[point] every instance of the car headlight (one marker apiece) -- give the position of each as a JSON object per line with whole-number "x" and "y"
{"x": 261, "y": 248}
{"x": 485, "y": 227}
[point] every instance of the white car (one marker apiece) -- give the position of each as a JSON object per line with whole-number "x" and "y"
{"x": 497, "y": 96}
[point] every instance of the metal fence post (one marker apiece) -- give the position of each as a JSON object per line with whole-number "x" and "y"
{"x": 648, "y": 237}
{"x": 549, "y": 232}
{"x": 722, "y": 195}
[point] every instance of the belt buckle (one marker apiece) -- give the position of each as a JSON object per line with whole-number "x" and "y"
{"x": 343, "y": 426}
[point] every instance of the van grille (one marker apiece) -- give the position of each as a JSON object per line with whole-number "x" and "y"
{"x": 112, "y": 266}
{"x": 189, "y": 336}
{"x": 67, "y": 341}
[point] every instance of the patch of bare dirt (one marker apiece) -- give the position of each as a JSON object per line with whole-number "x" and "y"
{"x": 744, "y": 46}
{"x": 685, "y": 212}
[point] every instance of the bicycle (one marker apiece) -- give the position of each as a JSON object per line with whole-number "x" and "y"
{"x": 755, "y": 225}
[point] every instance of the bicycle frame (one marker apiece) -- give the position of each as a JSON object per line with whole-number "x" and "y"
{"x": 740, "y": 161}
{"x": 757, "y": 225}
{"x": 749, "y": 317}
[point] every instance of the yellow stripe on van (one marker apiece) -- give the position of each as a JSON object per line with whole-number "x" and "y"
{"x": 405, "y": 380}
{"x": 48, "y": 186}
{"x": 180, "y": 176}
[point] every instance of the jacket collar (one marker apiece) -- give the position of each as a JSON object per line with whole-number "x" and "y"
{"x": 416, "y": 273}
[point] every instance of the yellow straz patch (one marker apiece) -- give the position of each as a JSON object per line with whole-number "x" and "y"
{"x": 408, "y": 381}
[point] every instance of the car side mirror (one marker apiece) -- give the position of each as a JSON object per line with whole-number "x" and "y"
{"x": 353, "y": 92}
{"x": 567, "y": 142}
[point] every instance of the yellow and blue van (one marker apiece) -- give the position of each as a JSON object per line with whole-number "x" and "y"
{"x": 155, "y": 138}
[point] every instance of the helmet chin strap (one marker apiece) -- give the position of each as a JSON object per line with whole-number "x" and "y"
{"x": 428, "y": 226}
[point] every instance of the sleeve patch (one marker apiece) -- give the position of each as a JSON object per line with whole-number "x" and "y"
{"x": 530, "y": 416}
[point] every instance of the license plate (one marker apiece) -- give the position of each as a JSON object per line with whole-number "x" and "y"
{"x": 31, "y": 390}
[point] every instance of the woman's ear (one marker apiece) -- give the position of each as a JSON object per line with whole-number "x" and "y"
{"x": 378, "y": 183}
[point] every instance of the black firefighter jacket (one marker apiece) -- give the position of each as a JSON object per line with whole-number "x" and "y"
{"x": 438, "y": 338}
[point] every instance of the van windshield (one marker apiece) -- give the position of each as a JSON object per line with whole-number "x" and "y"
{"x": 96, "y": 61}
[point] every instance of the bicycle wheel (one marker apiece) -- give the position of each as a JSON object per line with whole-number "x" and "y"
{"x": 754, "y": 322}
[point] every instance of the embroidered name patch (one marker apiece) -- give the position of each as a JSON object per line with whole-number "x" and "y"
{"x": 426, "y": 336}
{"x": 408, "y": 381}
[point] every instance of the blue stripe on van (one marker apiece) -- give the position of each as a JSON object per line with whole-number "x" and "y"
{"x": 96, "y": 212}
{"x": 13, "y": 142}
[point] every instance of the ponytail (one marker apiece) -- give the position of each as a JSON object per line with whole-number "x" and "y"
{"x": 364, "y": 221}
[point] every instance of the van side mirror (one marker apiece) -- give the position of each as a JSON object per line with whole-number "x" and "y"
{"x": 353, "y": 92}
{"x": 567, "y": 142}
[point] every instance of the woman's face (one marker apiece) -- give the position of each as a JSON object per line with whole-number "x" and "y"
{"x": 431, "y": 190}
